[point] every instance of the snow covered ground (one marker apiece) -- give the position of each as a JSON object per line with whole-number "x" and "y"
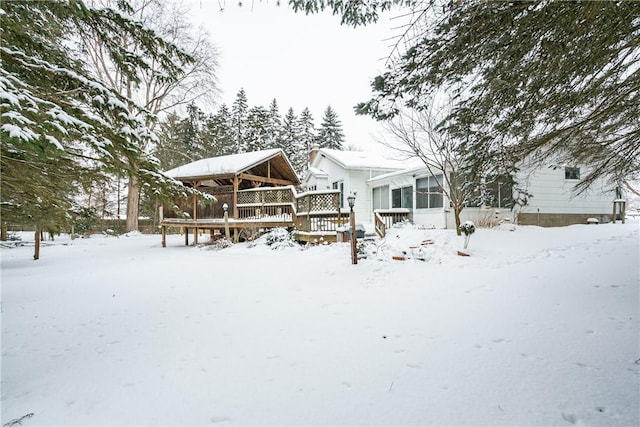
{"x": 537, "y": 327}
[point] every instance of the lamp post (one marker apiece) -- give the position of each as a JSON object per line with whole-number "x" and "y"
{"x": 351, "y": 199}
{"x": 225, "y": 208}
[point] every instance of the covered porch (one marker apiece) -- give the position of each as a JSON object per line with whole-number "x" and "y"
{"x": 254, "y": 191}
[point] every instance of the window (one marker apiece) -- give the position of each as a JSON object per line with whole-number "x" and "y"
{"x": 499, "y": 192}
{"x": 381, "y": 197}
{"x": 429, "y": 192}
{"x": 312, "y": 188}
{"x": 571, "y": 173}
{"x": 339, "y": 185}
{"x": 402, "y": 197}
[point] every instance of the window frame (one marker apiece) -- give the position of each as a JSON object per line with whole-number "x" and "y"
{"x": 339, "y": 185}
{"x": 406, "y": 194}
{"x": 571, "y": 173}
{"x": 383, "y": 197}
{"x": 430, "y": 196}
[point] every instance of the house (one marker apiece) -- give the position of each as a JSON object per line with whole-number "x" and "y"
{"x": 553, "y": 200}
{"x": 398, "y": 190}
{"x": 348, "y": 172}
{"x": 258, "y": 190}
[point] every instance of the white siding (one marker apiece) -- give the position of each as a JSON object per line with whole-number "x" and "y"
{"x": 552, "y": 193}
{"x": 358, "y": 182}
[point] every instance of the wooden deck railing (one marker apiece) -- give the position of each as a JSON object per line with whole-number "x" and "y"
{"x": 381, "y": 227}
{"x": 388, "y": 217}
{"x": 313, "y": 211}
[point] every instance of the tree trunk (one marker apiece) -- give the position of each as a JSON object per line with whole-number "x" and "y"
{"x": 36, "y": 251}
{"x": 3, "y": 231}
{"x": 133, "y": 204}
{"x": 456, "y": 214}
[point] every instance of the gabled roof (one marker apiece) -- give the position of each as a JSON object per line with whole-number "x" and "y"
{"x": 359, "y": 159}
{"x": 260, "y": 163}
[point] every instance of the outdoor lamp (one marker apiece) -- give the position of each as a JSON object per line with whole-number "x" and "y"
{"x": 225, "y": 207}
{"x": 351, "y": 199}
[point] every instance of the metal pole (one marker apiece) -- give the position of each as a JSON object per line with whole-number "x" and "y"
{"x": 354, "y": 255}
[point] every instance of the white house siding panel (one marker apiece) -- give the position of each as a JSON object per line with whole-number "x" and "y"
{"x": 552, "y": 193}
{"x": 432, "y": 218}
{"x": 358, "y": 183}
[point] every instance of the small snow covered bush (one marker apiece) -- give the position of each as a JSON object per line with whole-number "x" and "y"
{"x": 467, "y": 228}
{"x": 279, "y": 238}
{"x": 219, "y": 244}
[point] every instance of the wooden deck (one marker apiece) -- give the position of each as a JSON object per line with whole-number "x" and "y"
{"x": 315, "y": 216}
{"x": 217, "y": 226}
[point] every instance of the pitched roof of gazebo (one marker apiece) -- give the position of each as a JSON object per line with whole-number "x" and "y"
{"x": 270, "y": 166}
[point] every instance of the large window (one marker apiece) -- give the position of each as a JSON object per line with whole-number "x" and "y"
{"x": 339, "y": 185}
{"x": 402, "y": 197}
{"x": 381, "y": 197}
{"x": 499, "y": 192}
{"x": 429, "y": 192}
{"x": 571, "y": 173}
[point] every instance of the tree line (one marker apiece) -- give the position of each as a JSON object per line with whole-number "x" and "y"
{"x": 243, "y": 128}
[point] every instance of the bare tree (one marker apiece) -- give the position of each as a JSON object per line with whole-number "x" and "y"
{"x": 415, "y": 134}
{"x": 154, "y": 91}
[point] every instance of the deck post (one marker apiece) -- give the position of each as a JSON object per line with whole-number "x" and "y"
{"x": 195, "y": 218}
{"x": 186, "y": 236}
{"x": 164, "y": 236}
{"x": 235, "y": 197}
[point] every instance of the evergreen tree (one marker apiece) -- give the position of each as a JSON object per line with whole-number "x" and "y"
{"x": 307, "y": 136}
{"x": 216, "y": 135}
{"x": 190, "y": 133}
{"x": 239, "y": 111}
{"x": 60, "y": 125}
{"x": 170, "y": 148}
{"x": 274, "y": 126}
{"x": 290, "y": 141}
{"x": 330, "y": 134}
{"x": 257, "y": 137}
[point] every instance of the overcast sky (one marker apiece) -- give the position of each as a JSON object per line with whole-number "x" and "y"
{"x": 302, "y": 61}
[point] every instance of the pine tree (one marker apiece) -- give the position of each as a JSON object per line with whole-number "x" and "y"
{"x": 274, "y": 126}
{"x": 190, "y": 133}
{"x": 330, "y": 134}
{"x": 59, "y": 125}
{"x": 216, "y": 135}
{"x": 290, "y": 141}
{"x": 239, "y": 111}
{"x": 170, "y": 148}
{"x": 307, "y": 138}
{"x": 257, "y": 137}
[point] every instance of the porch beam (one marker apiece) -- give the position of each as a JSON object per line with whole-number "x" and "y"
{"x": 265, "y": 179}
{"x": 193, "y": 179}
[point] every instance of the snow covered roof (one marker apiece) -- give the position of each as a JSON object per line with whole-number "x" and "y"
{"x": 419, "y": 168}
{"x": 228, "y": 165}
{"x": 317, "y": 172}
{"x": 360, "y": 159}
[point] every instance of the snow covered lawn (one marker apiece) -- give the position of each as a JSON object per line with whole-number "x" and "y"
{"x": 537, "y": 327}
